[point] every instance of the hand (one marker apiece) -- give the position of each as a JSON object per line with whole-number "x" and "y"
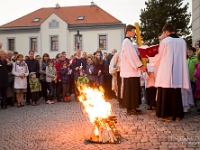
{"x": 99, "y": 73}
{"x": 143, "y": 69}
{"x": 76, "y": 68}
{"x": 147, "y": 57}
{"x": 59, "y": 80}
{"x": 32, "y": 91}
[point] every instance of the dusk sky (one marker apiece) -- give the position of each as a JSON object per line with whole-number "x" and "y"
{"x": 128, "y": 11}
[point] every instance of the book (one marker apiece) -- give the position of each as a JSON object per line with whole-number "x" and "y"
{"x": 150, "y": 51}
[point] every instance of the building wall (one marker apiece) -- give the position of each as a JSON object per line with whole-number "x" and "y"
{"x": 90, "y": 39}
{"x": 22, "y": 40}
{"x": 195, "y": 20}
{"x": 46, "y": 32}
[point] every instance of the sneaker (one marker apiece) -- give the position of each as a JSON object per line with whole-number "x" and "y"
{"x": 37, "y": 103}
{"x": 34, "y": 104}
{"x": 51, "y": 101}
{"x": 48, "y": 102}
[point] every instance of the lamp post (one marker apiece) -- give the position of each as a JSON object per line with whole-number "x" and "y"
{"x": 78, "y": 38}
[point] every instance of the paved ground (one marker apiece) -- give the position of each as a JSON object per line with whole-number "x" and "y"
{"x": 61, "y": 126}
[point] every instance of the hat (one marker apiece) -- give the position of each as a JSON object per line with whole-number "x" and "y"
{"x": 32, "y": 73}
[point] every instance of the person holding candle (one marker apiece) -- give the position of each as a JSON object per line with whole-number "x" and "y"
{"x": 99, "y": 64}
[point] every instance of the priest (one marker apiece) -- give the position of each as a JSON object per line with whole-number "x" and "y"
{"x": 131, "y": 67}
{"x": 172, "y": 75}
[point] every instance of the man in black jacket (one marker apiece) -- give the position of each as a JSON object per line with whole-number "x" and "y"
{"x": 5, "y": 67}
{"x": 33, "y": 66}
{"x": 107, "y": 77}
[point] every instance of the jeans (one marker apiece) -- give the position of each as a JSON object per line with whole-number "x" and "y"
{"x": 99, "y": 80}
{"x": 51, "y": 86}
{"x": 44, "y": 89}
{"x": 35, "y": 96}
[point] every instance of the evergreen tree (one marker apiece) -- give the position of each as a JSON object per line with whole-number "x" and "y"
{"x": 159, "y": 12}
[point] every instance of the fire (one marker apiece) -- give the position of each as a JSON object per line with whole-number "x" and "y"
{"x": 95, "y": 104}
{"x": 99, "y": 112}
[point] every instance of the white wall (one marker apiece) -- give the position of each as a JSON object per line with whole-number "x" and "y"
{"x": 22, "y": 40}
{"x": 46, "y": 32}
{"x": 90, "y": 39}
{"x": 195, "y": 21}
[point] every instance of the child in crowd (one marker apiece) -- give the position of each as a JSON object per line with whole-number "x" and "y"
{"x": 192, "y": 61}
{"x": 197, "y": 76}
{"x": 150, "y": 88}
{"x": 65, "y": 79}
{"x": 91, "y": 72}
{"x": 35, "y": 88}
{"x": 81, "y": 81}
{"x": 51, "y": 78}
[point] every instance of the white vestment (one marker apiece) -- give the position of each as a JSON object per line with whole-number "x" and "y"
{"x": 172, "y": 71}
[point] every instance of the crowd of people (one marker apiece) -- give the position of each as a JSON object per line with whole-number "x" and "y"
{"x": 175, "y": 70}
{"x": 30, "y": 78}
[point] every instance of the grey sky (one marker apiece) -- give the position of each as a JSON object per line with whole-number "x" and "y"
{"x": 128, "y": 11}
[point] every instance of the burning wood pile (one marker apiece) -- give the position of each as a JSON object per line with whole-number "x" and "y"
{"x": 99, "y": 111}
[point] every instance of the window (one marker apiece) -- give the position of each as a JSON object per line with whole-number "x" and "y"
{"x": 80, "y": 18}
{"x": 54, "y": 43}
{"x": 33, "y": 44}
{"x": 11, "y": 44}
{"x": 36, "y": 20}
{"x": 54, "y": 24}
{"x": 103, "y": 41}
{"x": 78, "y": 42}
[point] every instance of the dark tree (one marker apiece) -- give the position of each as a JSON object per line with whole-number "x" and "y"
{"x": 159, "y": 12}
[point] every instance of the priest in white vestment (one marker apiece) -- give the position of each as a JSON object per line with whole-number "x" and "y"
{"x": 172, "y": 75}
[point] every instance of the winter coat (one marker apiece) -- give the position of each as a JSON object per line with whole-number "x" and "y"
{"x": 65, "y": 77}
{"x": 35, "y": 85}
{"x": 4, "y": 70}
{"x": 20, "y": 68}
{"x": 59, "y": 66}
{"x": 92, "y": 68}
{"x": 50, "y": 73}
{"x": 192, "y": 61}
{"x": 107, "y": 63}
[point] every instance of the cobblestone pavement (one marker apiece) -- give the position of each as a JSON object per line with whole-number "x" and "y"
{"x": 61, "y": 126}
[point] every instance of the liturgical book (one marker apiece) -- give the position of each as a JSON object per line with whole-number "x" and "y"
{"x": 149, "y": 51}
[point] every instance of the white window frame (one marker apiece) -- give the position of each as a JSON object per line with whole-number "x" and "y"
{"x": 7, "y": 40}
{"x": 33, "y": 37}
{"x": 98, "y": 42}
{"x": 50, "y": 36}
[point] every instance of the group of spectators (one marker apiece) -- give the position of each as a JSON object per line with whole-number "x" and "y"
{"x": 30, "y": 78}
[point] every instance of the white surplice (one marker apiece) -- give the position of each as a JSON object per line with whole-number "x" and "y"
{"x": 173, "y": 71}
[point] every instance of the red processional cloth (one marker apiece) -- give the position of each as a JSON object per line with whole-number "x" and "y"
{"x": 149, "y": 51}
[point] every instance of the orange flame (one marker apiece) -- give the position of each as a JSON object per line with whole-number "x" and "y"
{"x": 94, "y": 103}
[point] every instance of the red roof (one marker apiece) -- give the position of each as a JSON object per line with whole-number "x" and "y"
{"x": 92, "y": 15}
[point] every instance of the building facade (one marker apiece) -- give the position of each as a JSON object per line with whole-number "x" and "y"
{"x": 53, "y": 30}
{"x": 195, "y": 21}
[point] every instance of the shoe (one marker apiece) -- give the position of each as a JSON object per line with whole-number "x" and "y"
{"x": 198, "y": 110}
{"x": 3, "y": 107}
{"x": 167, "y": 119}
{"x": 149, "y": 108}
{"x": 177, "y": 119}
{"x": 48, "y": 102}
{"x": 37, "y": 103}
{"x": 18, "y": 104}
{"x": 134, "y": 111}
{"x": 22, "y": 105}
{"x": 28, "y": 103}
{"x": 34, "y": 104}
{"x": 51, "y": 101}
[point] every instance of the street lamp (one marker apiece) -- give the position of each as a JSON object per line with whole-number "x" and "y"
{"x": 78, "y": 39}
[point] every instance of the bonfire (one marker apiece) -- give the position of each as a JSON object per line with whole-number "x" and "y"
{"x": 99, "y": 112}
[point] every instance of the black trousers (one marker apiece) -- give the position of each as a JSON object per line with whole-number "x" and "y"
{"x": 151, "y": 96}
{"x": 108, "y": 86}
{"x": 35, "y": 96}
{"x": 28, "y": 93}
{"x": 119, "y": 81}
{"x": 3, "y": 96}
{"x": 131, "y": 93}
{"x": 169, "y": 103}
{"x": 58, "y": 91}
{"x": 44, "y": 89}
